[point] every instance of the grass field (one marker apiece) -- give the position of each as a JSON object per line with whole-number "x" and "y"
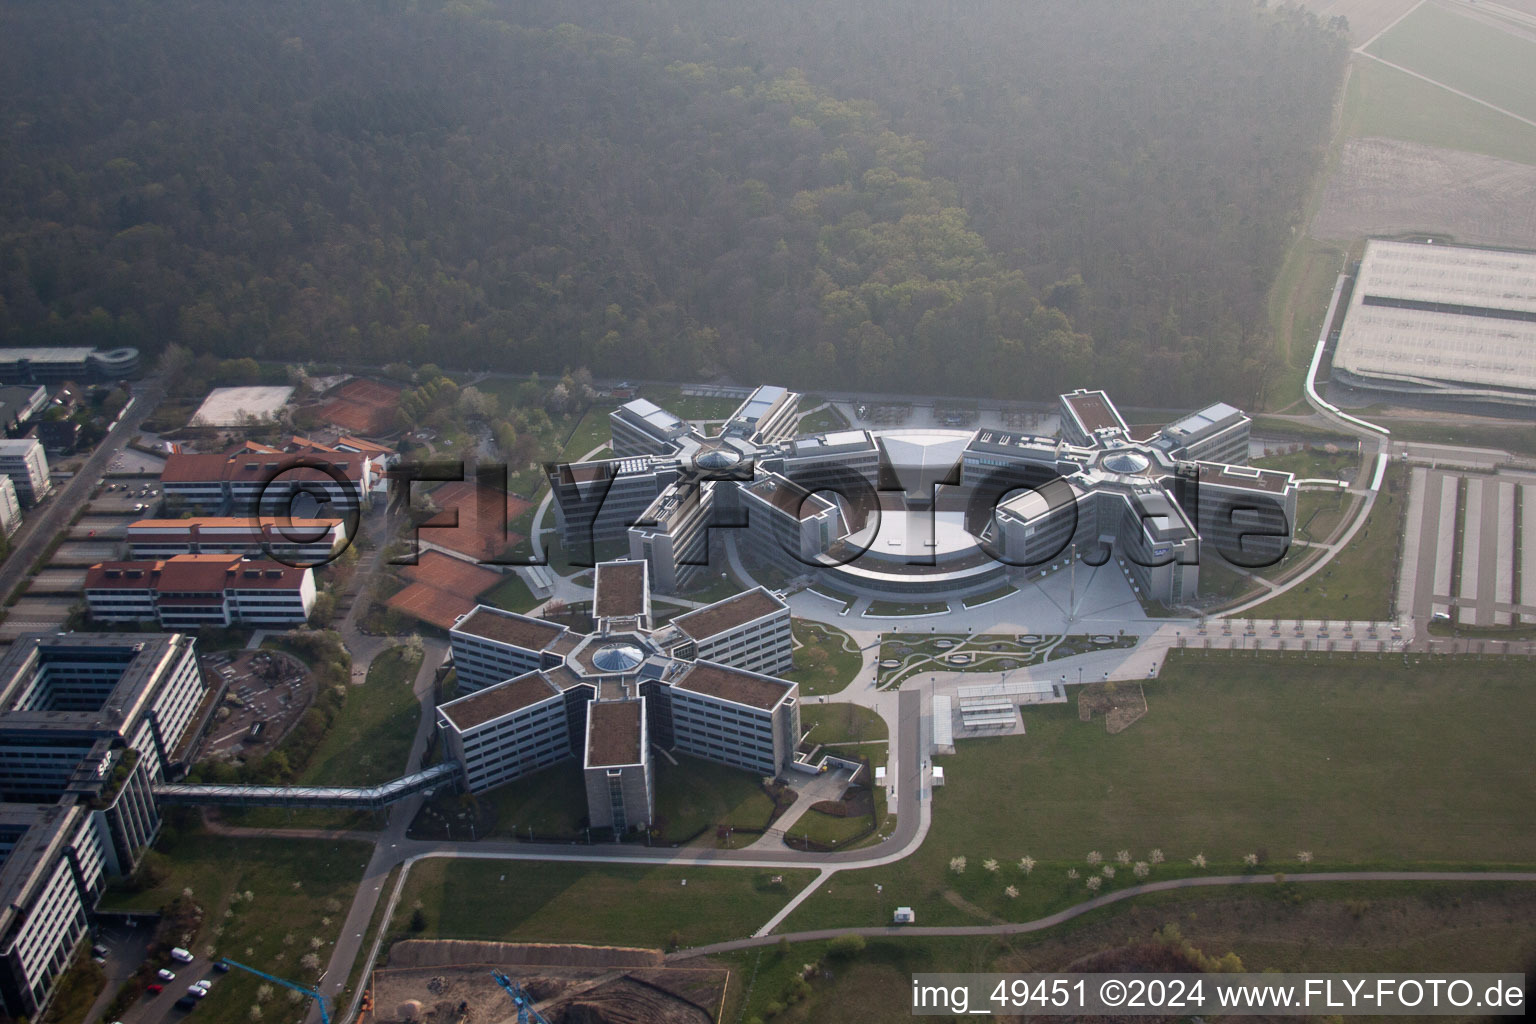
{"x": 699, "y": 795}
{"x": 511, "y": 594}
{"x": 1376, "y": 927}
{"x": 299, "y": 892}
{"x": 1362, "y": 762}
{"x": 1478, "y": 59}
{"x": 552, "y": 802}
{"x": 1357, "y": 584}
{"x": 841, "y": 723}
{"x": 372, "y": 735}
{"x": 1383, "y": 101}
{"x": 1298, "y": 302}
{"x": 823, "y": 662}
{"x": 595, "y": 903}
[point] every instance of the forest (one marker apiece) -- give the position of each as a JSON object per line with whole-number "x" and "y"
{"x": 991, "y": 198}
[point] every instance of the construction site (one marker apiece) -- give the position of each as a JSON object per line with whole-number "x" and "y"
{"x": 454, "y": 982}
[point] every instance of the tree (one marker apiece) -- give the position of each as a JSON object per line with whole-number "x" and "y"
{"x": 418, "y": 920}
{"x": 845, "y": 947}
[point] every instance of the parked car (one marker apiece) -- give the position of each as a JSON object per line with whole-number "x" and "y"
{"x": 181, "y": 955}
{"x": 154, "y": 989}
{"x": 186, "y": 1003}
{"x": 165, "y": 975}
{"x": 221, "y": 966}
{"x": 195, "y": 992}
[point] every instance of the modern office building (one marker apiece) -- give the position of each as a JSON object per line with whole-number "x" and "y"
{"x": 19, "y": 404}
{"x": 56, "y": 365}
{"x": 10, "y": 507}
{"x": 617, "y": 768}
{"x": 930, "y": 511}
{"x": 23, "y": 460}
{"x": 88, "y": 723}
{"x": 1446, "y": 321}
{"x": 542, "y": 693}
{"x": 191, "y": 591}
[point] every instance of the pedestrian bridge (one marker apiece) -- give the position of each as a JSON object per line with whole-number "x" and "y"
{"x": 358, "y": 798}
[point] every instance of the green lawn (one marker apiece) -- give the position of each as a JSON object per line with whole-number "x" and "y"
{"x": 1360, "y": 761}
{"x": 372, "y": 735}
{"x": 900, "y": 608}
{"x": 511, "y": 594}
{"x": 1383, "y": 101}
{"x": 1380, "y": 927}
{"x": 1478, "y": 59}
{"x": 821, "y": 421}
{"x": 841, "y": 723}
{"x": 691, "y": 407}
{"x": 1358, "y": 583}
{"x": 703, "y": 795}
{"x": 609, "y": 904}
{"x": 591, "y": 431}
{"x": 553, "y": 802}
{"x": 298, "y": 892}
{"x": 823, "y": 662}
{"x": 995, "y": 594}
{"x": 829, "y": 829}
{"x": 1317, "y": 463}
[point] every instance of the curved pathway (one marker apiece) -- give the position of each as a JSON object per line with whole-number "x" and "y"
{"x": 1051, "y": 920}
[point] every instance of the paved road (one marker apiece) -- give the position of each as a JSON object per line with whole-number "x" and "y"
{"x": 43, "y": 523}
{"x": 1052, "y": 920}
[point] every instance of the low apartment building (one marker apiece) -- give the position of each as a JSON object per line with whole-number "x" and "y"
{"x": 308, "y": 542}
{"x": 191, "y": 591}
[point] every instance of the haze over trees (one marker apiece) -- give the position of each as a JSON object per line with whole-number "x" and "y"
{"x": 1002, "y": 197}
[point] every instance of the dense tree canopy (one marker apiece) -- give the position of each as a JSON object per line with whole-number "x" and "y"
{"x": 1006, "y": 197}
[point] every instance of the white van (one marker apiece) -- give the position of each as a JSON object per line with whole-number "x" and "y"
{"x": 181, "y": 955}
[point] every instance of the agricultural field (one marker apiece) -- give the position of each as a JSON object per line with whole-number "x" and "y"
{"x": 1469, "y": 55}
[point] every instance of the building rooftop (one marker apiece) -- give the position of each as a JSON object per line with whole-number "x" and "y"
{"x": 790, "y": 498}
{"x": 493, "y": 702}
{"x": 1432, "y": 316}
{"x": 140, "y": 661}
{"x": 614, "y": 730}
{"x": 620, "y": 589}
{"x": 727, "y": 615}
{"x": 202, "y": 574}
{"x": 734, "y": 684}
{"x": 1093, "y": 411}
{"x": 510, "y": 628}
{"x": 1271, "y": 481}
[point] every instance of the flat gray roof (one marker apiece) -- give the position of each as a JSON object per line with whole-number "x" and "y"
{"x": 1442, "y": 315}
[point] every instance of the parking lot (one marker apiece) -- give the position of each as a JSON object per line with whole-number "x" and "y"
{"x": 267, "y": 692}
{"x": 1470, "y": 548}
{"x": 36, "y": 613}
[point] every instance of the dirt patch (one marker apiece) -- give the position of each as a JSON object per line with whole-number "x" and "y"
{"x": 1121, "y": 704}
{"x": 450, "y": 982}
{"x": 1392, "y": 187}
